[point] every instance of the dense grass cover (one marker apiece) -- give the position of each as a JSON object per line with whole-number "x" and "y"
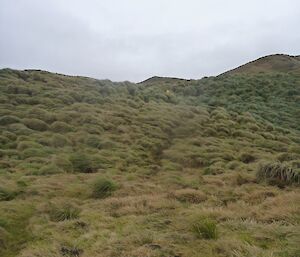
{"x": 176, "y": 150}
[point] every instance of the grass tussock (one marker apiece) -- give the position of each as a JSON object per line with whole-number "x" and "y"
{"x": 205, "y": 228}
{"x": 278, "y": 174}
{"x": 103, "y": 188}
{"x": 7, "y": 195}
{"x": 189, "y": 196}
{"x": 64, "y": 212}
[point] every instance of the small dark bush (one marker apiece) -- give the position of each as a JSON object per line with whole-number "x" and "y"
{"x": 103, "y": 188}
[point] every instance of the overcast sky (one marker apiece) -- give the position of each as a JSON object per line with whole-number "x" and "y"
{"x": 136, "y": 39}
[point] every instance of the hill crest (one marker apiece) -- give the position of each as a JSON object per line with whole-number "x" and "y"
{"x": 269, "y": 63}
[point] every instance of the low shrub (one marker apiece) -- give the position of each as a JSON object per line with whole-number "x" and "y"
{"x": 205, "y": 228}
{"x": 278, "y": 174}
{"x": 103, "y": 188}
{"x": 65, "y": 212}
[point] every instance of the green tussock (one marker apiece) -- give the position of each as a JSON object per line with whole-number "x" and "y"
{"x": 205, "y": 228}
{"x": 103, "y": 188}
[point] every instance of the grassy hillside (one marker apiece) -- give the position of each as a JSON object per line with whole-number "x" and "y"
{"x": 166, "y": 167}
{"x": 270, "y": 63}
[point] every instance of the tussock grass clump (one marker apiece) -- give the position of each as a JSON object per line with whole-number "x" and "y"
{"x": 34, "y": 152}
{"x": 205, "y": 228}
{"x": 35, "y": 124}
{"x": 93, "y": 141}
{"x": 63, "y": 163}
{"x": 60, "y": 127}
{"x": 81, "y": 163}
{"x": 27, "y": 144}
{"x": 189, "y": 196}
{"x": 6, "y": 195}
{"x": 8, "y": 119}
{"x": 247, "y": 158}
{"x": 3, "y": 238}
{"x": 3, "y": 140}
{"x": 278, "y": 174}
{"x": 72, "y": 251}
{"x": 49, "y": 169}
{"x": 103, "y": 188}
{"x": 64, "y": 212}
{"x": 58, "y": 140}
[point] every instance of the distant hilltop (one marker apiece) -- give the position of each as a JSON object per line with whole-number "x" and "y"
{"x": 269, "y": 63}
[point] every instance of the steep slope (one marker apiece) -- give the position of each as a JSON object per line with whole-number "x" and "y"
{"x": 162, "y": 168}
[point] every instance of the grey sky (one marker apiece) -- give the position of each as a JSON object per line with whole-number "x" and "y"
{"x": 136, "y": 39}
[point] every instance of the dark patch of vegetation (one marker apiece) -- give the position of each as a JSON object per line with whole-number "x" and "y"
{"x": 71, "y": 251}
{"x": 278, "y": 174}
